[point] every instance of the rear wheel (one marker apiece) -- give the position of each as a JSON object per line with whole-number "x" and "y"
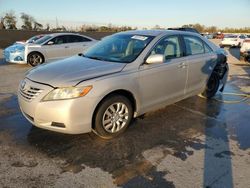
{"x": 212, "y": 86}
{"x": 35, "y": 59}
{"x": 113, "y": 116}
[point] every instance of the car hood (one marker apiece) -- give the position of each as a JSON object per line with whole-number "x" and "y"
{"x": 71, "y": 71}
{"x": 14, "y": 47}
{"x": 32, "y": 45}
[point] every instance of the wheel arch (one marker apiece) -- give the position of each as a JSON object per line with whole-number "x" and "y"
{"x": 129, "y": 95}
{"x": 32, "y": 52}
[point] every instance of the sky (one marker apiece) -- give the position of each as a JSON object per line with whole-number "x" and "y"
{"x": 135, "y": 13}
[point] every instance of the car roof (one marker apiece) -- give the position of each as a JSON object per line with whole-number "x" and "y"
{"x": 155, "y": 32}
{"x": 59, "y": 34}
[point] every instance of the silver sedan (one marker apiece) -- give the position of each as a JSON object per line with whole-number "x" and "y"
{"x": 121, "y": 77}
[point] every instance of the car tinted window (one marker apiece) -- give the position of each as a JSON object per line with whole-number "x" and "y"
{"x": 207, "y": 48}
{"x": 43, "y": 39}
{"x": 230, "y": 36}
{"x": 169, "y": 47}
{"x": 59, "y": 40}
{"x": 242, "y": 37}
{"x": 193, "y": 45}
{"x": 77, "y": 38}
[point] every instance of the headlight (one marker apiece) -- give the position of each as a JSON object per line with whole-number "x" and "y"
{"x": 67, "y": 93}
{"x": 18, "y": 49}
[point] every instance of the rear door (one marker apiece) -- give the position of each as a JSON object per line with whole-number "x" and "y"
{"x": 200, "y": 61}
{"x": 77, "y": 44}
{"x": 163, "y": 83}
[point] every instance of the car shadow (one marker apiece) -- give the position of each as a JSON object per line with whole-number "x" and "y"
{"x": 217, "y": 160}
{"x": 122, "y": 156}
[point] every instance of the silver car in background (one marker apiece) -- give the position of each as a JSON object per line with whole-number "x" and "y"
{"x": 121, "y": 77}
{"x": 48, "y": 48}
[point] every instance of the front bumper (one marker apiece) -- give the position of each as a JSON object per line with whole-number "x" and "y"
{"x": 73, "y": 116}
{"x": 14, "y": 57}
{"x": 229, "y": 43}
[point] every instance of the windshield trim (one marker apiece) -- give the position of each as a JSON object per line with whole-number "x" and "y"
{"x": 49, "y": 38}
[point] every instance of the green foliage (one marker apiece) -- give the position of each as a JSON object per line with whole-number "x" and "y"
{"x": 9, "y": 20}
{"x": 214, "y": 29}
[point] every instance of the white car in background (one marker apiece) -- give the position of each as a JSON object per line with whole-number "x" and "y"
{"x": 233, "y": 40}
{"x": 48, "y": 48}
{"x": 245, "y": 49}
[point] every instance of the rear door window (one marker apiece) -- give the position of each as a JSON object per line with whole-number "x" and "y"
{"x": 77, "y": 38}
{"x": 193, "y": 45}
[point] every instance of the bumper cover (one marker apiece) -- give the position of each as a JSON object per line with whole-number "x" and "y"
{"x": 14, "y": 57}
{"x": 74, "y": 114}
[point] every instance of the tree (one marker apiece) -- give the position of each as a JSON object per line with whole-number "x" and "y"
{"x": 2, "y": 26}
{"x": 157, "y": 27}
{"x": 47, "y": 27}
{"x": 212, "y": 29}
{"x": 37, "y": 26}
{"x": 10, "y": 20}
{"x": 199, "y": 27}
{"x": 27, "y": 21}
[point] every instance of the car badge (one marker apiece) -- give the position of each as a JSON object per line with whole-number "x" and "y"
{"x": 23, "y": 85}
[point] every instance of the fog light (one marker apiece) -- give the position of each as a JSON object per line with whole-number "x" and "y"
{"x": 56, "y": 124}
{"x": 18, "y": 58}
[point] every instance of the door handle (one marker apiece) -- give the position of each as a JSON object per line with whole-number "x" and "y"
{"x": 66, "y": 47}
{"x": 182, "y": 65}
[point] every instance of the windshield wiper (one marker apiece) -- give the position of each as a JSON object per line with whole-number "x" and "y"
{"x": 96, "y": 58}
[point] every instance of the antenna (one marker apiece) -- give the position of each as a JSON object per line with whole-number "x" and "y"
{"x": 56, "y": 23}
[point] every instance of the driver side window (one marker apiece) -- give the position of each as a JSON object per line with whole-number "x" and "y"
{"x": 59, "y": 40}
{"x": 169, "y": 47}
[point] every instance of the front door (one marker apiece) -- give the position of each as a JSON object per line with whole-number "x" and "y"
{"x": 163, "y": 83}
{"x": 56, "y": 48}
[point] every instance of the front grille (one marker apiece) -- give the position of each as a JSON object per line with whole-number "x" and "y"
{"x": 30, "y": 92}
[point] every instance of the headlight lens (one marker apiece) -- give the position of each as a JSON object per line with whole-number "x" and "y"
{"x": 17, "y": 48}
{"x": 67, "y": 93}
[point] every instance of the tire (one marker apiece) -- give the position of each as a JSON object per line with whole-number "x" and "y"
{"x": 212, "y": 86}
{"x": 35, "y": 59}
{"x": 107, "y": 122}
{"x": 247, "y": 59}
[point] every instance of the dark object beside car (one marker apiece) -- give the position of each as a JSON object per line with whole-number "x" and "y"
{"x": 189, "y": 29}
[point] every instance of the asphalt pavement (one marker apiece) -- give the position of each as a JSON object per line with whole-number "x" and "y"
{"x": 193, "y": 143}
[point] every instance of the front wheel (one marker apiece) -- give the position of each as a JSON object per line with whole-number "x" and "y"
{"x": 35, "y": 59}
{"x": 113, "y": 116}
{"x": 212, "y": 86}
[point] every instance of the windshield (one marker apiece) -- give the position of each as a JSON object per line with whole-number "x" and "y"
{"x": 35, "y": 38}
{"x": 123, "y": 48}
{"x": 230, "y": 36}
{"x": 43, "y": 39}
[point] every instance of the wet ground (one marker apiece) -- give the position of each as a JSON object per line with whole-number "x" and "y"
{"x": 193, "y": 143}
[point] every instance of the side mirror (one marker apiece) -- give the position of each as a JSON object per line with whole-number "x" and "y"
{"x": 155, "y": 59}
{"x": 50, "y": 43}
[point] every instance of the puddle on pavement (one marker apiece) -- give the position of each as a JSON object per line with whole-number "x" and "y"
{"x": 232, "y": 110}
{"x": 175, "y": 127}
